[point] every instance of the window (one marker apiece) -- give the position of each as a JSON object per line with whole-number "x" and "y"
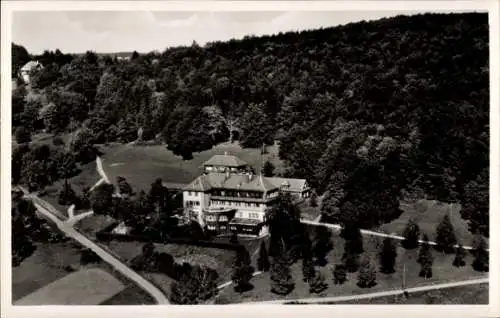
{"x": 248, "y": 204}
{"x": 222, "y": 227}
{"x": 254, "y": 216}
{"x": 233, "y": 228}
{"x": 197, "y": 203}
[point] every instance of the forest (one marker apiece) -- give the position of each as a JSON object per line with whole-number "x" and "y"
{"x": 369, "y": 113}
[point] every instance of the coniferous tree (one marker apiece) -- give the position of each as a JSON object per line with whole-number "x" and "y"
{"x": 67, "y": 195}
{"x": 445, "y": 236}
{"x": 352, "y": 235}
{"x": 307, "y": 261}
{"x": 194, "y": 286}
{"x": 481, "y": 260}
{"x": 313, "y": 200}
{"x": 322, "y": 245}
{"x": 263, "y": 260}
{"x": 350, "y": 258}
{"x": 268, "y": 169}
{"x": 367, "y": 275}
{"x": 281, "y": 279}
{"x": 388, "y": 256}
{"x": 242, "y": 271}
{"x": 459, "y": 256}
{"x": 411, "y": 234}
{"x": 339, "y": 274}
{"x": 425, "y": 258}
{"x": 317, "y": 283}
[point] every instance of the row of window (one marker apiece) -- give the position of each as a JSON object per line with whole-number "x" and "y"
{"x": 192, "y": 203}
{"x": 213, "y": 228}
{"x": 229, "y": 203}
{"x": 228, "y": 193}
{"x": 251, "y": 215}
{"x": 193, "y": 193}
{"x": 213, "y": 218}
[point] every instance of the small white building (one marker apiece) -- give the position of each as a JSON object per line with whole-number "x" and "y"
{"x": 28, "y": 68}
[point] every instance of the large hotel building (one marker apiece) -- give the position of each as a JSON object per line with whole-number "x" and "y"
{"x": 227, "y": 197}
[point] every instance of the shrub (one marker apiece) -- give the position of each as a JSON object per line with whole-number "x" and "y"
{"x": 411, "y": 234}
{"x": 367, "y": 274}
{"x": 22, "y": 135}
{"x": 339, "y": 274}
{"x": 425, "y": 259}
{"x": 459, "y": 257}
{"x": 317, "y": 283}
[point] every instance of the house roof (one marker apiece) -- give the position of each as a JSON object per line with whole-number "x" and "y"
{"x": 30, "y": 65}
{"x": 231, "y": 182}
{"x": 294, "y": 185}
{"x": 225, "y": 160}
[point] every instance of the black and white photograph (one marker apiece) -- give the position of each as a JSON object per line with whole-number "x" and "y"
{"x": 240, "y": 157}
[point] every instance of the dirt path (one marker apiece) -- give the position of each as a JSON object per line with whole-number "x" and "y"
{"x": 320, "y": 300}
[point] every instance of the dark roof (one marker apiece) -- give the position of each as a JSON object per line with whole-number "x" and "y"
{"x": 231, "y": 182}
{"x": 226, "y": 161}
{"x": 294, "y": 185}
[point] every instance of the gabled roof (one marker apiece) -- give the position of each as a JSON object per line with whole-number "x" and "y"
{"x": 225, "y": 160}
{"x": 231, "y": 182}
{"x": 294, "y": 185}
{"x": 30, "y": 65}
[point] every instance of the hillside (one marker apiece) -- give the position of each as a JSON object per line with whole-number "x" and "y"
{"x": 367, "y": 112}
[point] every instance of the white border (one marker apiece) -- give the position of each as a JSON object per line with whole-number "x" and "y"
{"x": 492, "y": 6}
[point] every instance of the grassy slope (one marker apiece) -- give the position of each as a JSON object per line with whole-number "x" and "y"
{"x": 141, "y": 165}
{"x": 442, "y": 269}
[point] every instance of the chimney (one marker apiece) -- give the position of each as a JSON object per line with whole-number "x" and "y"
{"x": 225, "y": 153}
{"x": 227, "y": 174}
{"x": 250, "y": 176}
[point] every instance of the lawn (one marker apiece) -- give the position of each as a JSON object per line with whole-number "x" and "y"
{"x": 469, "y": 295}
{"x": 47, "y": 264}
{"x": 142, "y": 164}
{"x": 428, "y": 214}
{"x": 443, "y": 271}
{"x": 94, "y": 223}
{"x": 131, "y": 295}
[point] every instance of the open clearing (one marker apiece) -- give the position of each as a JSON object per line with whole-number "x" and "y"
{"x": 46, "y": 265}
{"x": 443, "y": 271}
{"x": 85, "y": 287}
{"x": 469, "y": 295}
{"x": 141, "y": 165}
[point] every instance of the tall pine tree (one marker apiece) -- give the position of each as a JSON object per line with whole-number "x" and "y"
{"x": 242, "y": 271}
{"x": 263, "y": 260}
{"x": 425, "y": 258}
{"x": 388, "y": 256}
{"x": 411, "y": 234}
{"x": 445, "y": 236}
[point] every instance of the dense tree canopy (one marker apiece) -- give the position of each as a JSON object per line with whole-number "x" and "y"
{"x": 365, "y": 111}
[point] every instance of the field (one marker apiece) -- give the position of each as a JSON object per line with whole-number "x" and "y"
{"x": 443, "y": 271}
{"x": 470, "y": 295}
{"x": 141, "y": 165}
{"x": 47, "y": 264}
{"x": 51, "y": 262}
{"x": 87, "y": 286}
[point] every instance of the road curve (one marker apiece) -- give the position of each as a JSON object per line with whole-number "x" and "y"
{"x": 67, "y": 229}
{"x": 320, "y": 300}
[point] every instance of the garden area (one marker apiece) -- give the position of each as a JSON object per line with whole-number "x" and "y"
{"x": 443, "y": 271}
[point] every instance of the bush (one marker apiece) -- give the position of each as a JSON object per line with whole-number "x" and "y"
{"x": 459, "y": 257}
{"x": 22, "y": 135}
{"x": 425, "y": 259}
{"x": 88, "y": 256}
{"x": 194, "y": 287}
{"x": 367, "y": 274}
{"x": 317, "y": 283}
{"x": 339, "y": 274}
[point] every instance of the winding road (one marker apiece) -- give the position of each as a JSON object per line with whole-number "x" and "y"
{"x": 66, "y": 227}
